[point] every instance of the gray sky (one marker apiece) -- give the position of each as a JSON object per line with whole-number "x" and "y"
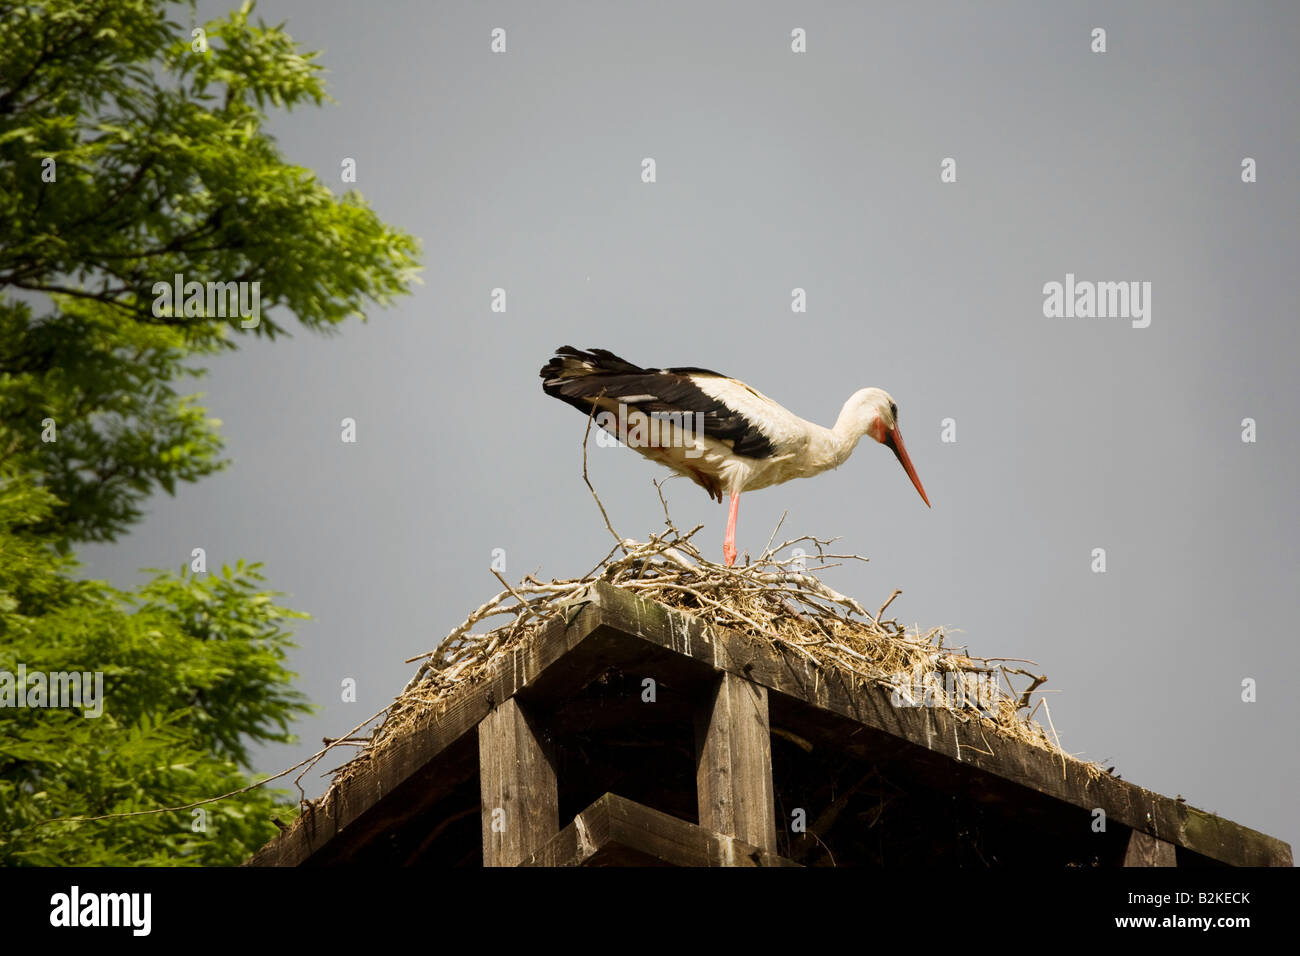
{"x": 821, "y": 171}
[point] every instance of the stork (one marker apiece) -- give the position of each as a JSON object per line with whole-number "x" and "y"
{"x": 717, "y": 431}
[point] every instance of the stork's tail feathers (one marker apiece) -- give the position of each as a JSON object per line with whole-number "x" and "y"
{"x": 581, "y": 378}
{"x": 570, "y": 363}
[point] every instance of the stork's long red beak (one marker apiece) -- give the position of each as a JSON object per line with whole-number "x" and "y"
{"x": 894, "y": 439}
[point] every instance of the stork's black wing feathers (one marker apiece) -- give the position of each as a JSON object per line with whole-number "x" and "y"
{"x": 579, "y": 378}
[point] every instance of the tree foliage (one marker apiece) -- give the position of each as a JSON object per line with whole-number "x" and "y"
{"x": 193, "y": 675}
{"x": 160, "y": 167}
{"x": 131, "y": 152}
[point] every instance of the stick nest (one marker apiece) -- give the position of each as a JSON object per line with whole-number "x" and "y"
{"x": 776, "y": 597}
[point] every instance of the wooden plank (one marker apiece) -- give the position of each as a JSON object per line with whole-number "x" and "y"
{"x": 733, "y": 764}
{"x": 1146, "y": 850}
{"x": 1055, "y": 824}
{"x": 971, "y": 741}
{"x": 395, "y": 787}
{"x": 521, "y": 808}
{"x": 390, "y": 787}
{"x": 617, "y": 831}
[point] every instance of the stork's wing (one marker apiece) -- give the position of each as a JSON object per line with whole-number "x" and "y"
{"x": 600, "y": 377}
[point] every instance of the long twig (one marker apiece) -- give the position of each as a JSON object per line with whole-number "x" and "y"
{"x": 590, "y": 488}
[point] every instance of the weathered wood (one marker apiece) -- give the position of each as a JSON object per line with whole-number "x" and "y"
{"x": 733, "y": 764}
{"x": 617, "y": 628}
{"x": 517, "y": 779}
{"x": 1146, "y": 850}
{"x": 394, "y": 788}
{"x": 392, "y": 785}
{"x": 614, "y": 831}
{"x": 970, "y": 741}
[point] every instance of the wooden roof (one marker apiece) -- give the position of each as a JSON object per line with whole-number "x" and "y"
{"x": 491, "y": 753}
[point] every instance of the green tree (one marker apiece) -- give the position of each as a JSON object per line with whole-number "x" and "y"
{"x": 160, "y": 166}
{"x": 132, "y": 150}
{"x": 193, "y": 673}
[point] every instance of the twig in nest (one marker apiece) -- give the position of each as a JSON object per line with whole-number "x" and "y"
{"x": 887, "y": 603}
{"x": 659, "y": 487}
{"x": 1048, "y": 711}
{"x": 590, "y": 488}
{"x": 772, "y": 537}
{"x": 528, "y": 611}
{"x": 1037, "y": 682}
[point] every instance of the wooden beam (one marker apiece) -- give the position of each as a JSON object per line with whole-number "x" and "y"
{"x": 970, "y": 741}
{"x": 1146, "y": 850}
{"x": 733, "y": 762}
{"x": 521, "y": 809}
{"x": 615, "y": 831}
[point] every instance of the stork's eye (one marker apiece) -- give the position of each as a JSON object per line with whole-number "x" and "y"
{"x": 893, "y": 410}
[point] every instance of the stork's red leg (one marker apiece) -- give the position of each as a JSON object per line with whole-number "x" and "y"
{"x": 729, "y": 543}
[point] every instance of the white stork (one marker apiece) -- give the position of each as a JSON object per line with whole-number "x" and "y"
{"x": 716, "y": 430}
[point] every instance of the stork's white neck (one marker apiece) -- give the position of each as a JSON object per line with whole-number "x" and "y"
{"x": 831, "y": 447}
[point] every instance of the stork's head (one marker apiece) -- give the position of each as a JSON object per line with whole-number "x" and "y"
{"x": 874, "y": 413}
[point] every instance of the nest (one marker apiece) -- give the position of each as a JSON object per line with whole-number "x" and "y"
{"x": 776, "y": 597}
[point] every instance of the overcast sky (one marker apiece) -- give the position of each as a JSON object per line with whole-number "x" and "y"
{"x": 822, "y": 171}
